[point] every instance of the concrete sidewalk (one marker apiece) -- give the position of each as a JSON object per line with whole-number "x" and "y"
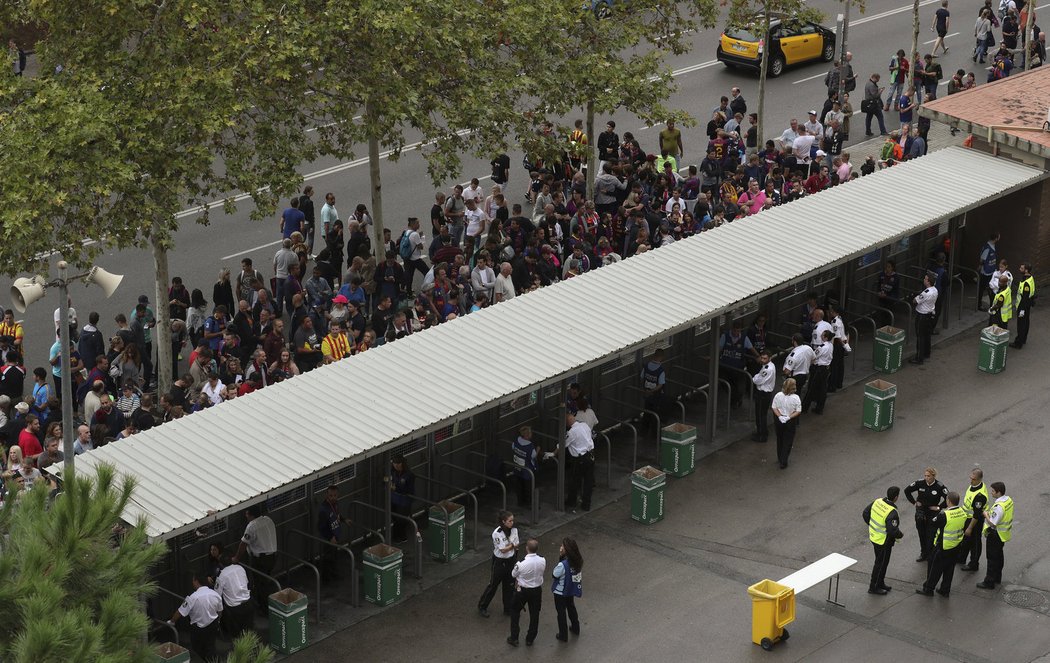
{"x": 679, "y": 586}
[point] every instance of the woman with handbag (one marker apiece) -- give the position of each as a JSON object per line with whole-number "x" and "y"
{"x": 982, "y": 32}
{"x": 567, "y": 586}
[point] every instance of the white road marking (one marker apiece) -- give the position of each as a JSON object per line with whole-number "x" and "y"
{"x": 807, "y": 79}
{"x": 257, "y": 248}
{"x": 950, "y": 34}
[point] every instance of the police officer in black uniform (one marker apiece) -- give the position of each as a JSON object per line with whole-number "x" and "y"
{"x": 928, "y": 495}
{"x": 1023, "y": 304}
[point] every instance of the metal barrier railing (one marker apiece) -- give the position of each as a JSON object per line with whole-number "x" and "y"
{"x": 166, "y": 625}
{"x": 418, "y": 538}
{"x": 462, "y": 493}
{"x": 272, "y": 579}
{"x": 535, "y": 499}
{"x": 338, "y": 546}
{"x": 306, "y": 564}
{"x": 487, "y": 478}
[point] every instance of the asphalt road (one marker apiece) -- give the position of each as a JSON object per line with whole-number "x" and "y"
{"x": 679, "y": 588}
{"x": 200, "y": 251}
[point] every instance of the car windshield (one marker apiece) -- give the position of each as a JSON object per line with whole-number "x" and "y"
{"x": 741, "y": 34}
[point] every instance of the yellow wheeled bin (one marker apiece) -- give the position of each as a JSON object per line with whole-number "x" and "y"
{"x": 772, "y": 608}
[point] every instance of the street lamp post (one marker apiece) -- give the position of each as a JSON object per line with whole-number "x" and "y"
{"x": 26, "y": 291}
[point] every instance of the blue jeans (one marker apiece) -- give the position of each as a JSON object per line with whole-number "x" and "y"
{"x": 982, "y": 50}
{"x": 896, "y": 89}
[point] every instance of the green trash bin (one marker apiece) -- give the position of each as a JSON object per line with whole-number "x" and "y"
{"x": 169, "y": 652}
{"x": 382, "y": 570}
{"x": 889, "y": 349}
{"x": 678, "y": 449}
{"x": 647, "y": 495}
{"x": 992, "y": 355}
{"x": 879, "y": 398}
{"x": 288, "y": 621}
{"x": 446, "y": 532}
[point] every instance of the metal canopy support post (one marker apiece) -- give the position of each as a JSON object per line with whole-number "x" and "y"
{"x": 387, "y": 489}
{"x": 953, "y": 236}
{"x": 559, "y": 434}
{"x": 68, "y": 392}
{"x": 712, "y": 377}
{"x": 339, "y": 547}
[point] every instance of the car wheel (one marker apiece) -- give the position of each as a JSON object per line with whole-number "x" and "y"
{"x": 828, "y": 54}
{"x": 602, "y": 10}
{"x": 775, "y": 66}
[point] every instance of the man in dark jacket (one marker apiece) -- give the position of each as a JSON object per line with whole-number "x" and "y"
{"x": 306, "y": 206}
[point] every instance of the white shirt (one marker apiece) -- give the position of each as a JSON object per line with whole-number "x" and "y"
{"x": 232, "y": 585}
{"x": 788, "y": 137}
{"x": 202, "y": 607}
{"x": 669, "y": 207}
{"x": 260, "y": 536}
{"x": 993, "y": 283}
{"x": 578, "y": 440}
{"x": 472, "y": 193}
{"x": 416, "y": 242}
{"x": 504, "y": 286}
{"x": 925, "y": 300}
{"x": 213, "y": 393}
{"x": 814, "y": 127}
{"x": 818, "y": 333}
{"x": 799, "y": 359}
{"x": 801, "y": 147}
{"x": 824, "y": 354}
{"x": 786, "y": 405}
{"x": 839, "y": 329}
{"x": 501, "y": 541}
{"x": 588, "y": 417}
{"x": 529, "y": 571}
{"x": 995, "y": 514}
{"x": 765, "y": 378}
{"x": 475, "y": 219}
{"x": 72, "y": 316}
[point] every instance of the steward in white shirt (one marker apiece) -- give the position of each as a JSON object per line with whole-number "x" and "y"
{"x": 529, "y": 575}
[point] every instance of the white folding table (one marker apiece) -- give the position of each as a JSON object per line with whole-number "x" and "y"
{"x": 827, "y": 568}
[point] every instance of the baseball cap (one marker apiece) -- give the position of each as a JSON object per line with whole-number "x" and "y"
{"x": 813, "y": 112}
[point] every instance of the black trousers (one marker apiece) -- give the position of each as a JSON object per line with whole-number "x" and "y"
{"x": 580, "y": 473}
{"x": 785, "y": 438}
{"x": 942, "y": 568}
{"x": 526, "y": 596}
{"x": 261, "y": 586}
{"x": 399, "y": 528}
{"x": 817, "y": 393}
{"x": 983, "y": 287}
{"x": 411, "y": 267}
{"x": 525, "y": 490}
{"x": 882, "y": 562}
{"x": 923, "y": 335}
{"x": 763, "y": 401}
{"x": 994, "y": 574}
{"x": 838, "y": 368}
{"x": 238, "y": 618}
{"x": 500, "y": 577}
{"x": 565, "y": 606}
{"x": 202, "y": 640}
{"x": 926, "y": 531}
{"x": 971, "y": 545}
{"x": 800, "y": 382}
{"x": 1023, "y": 323}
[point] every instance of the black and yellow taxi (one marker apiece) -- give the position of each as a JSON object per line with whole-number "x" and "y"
{"x": 790, "y": 42}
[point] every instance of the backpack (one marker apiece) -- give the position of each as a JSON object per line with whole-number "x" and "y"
{"x": 404, "y": 245}
{"x": 729, "y": 193}
{"x": 898, "y": 152}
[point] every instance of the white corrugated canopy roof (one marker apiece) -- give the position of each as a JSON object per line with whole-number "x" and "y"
{"x": 253, "y": 447}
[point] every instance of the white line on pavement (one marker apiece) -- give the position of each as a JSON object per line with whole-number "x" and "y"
{"x": 889, "y": 12}
{"x": 950, "y": 34}
{"x": 480, "y": 179}
{"x": 258, "y": 248}
{"x": 807, "y": 79}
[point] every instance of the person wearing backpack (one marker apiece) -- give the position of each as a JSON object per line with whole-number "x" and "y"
{"x": 410, "y": 248}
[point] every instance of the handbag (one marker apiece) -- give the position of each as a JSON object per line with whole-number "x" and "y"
{"x": 989, "y": 39}
{"x": 865, "y": 105}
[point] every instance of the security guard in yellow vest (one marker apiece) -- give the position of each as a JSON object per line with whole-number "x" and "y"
{"x": 1002, "y": 305}
{"x": 998, "y": 528}
{"x": 950, "y": 522}
{"x": 1025, "y": 300}
{"x": 884, "y": 528}
{"x": 974, "y": 502}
